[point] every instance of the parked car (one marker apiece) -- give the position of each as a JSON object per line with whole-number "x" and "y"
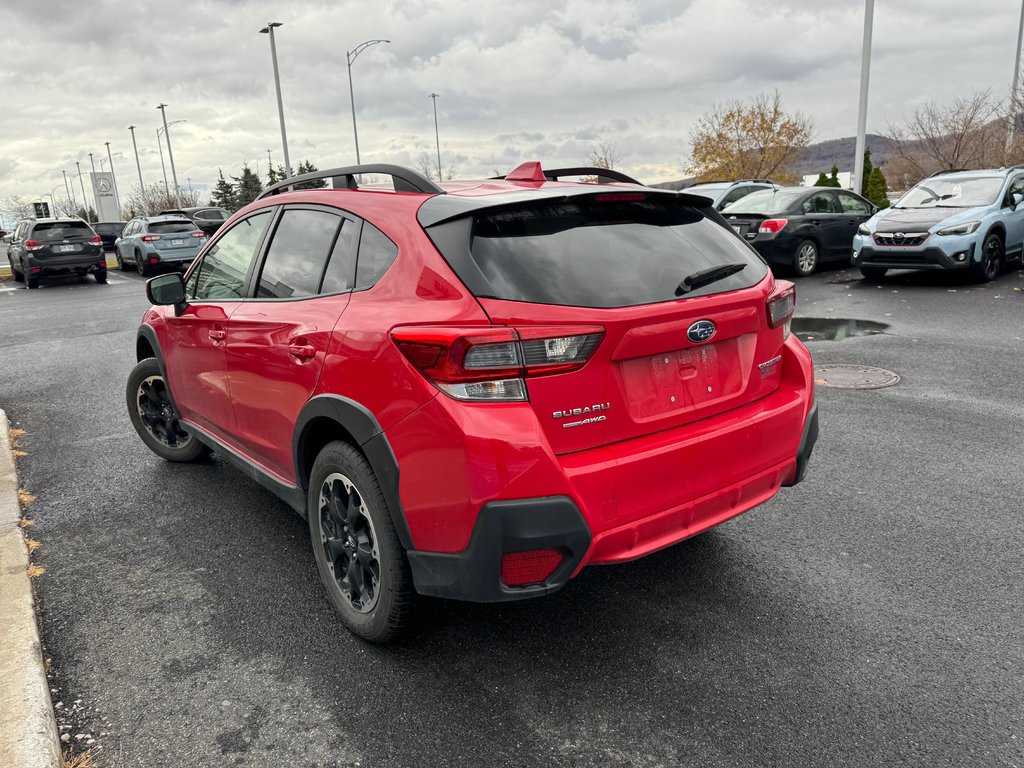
{"x": 108, "y": 231}
{"x": 43, "y": 248}
{"x": 475, "y": 390}
{"x": 963, "y": 220}
{"x": 798, "y": 228}
{"x": 724, "y": 193}
{"x": 207, "y": 218}
{"x": 148, "y": 243}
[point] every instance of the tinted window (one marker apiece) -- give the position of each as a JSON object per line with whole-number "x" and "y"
{"x": 376, "y": 253}
{"x": 853, "y": 204}
{"x": 820, "y": 202}
{"x": 225, "y": 265}
{"x": 297, "y": 254}
{"x": 604, "y": 254}
{"x": 169, "y": 227}
{"x": 61, "y": 230}
{"x": 767, "y": 201}
{"x": 212, "y": 214}
{"x": 341, "y": 269}
{"x": 108, "y": 229}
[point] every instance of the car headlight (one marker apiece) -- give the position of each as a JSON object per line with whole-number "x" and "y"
{"x": 960, "y": 229}
{"x": 863, "y": 230}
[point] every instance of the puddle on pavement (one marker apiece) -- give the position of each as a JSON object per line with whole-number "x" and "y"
{"x": 834, "y": 328}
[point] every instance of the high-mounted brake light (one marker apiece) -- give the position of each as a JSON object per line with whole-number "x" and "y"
{"x": 621, "y": 197}
{"x": 772, "y": 226}
{"x": 149, "y": 238}
{"x": 33, "y": 245}
{"x": 95, "y": 240}
{"x": 781, "y": 305}
{"x": 492, "y": 363}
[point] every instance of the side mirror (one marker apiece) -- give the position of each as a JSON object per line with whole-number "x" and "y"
{"x": 1016, "y": 199}
{"x": 167, "y": 291}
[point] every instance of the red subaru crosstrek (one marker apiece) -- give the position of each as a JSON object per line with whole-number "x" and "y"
{"x": 476, "y": 389}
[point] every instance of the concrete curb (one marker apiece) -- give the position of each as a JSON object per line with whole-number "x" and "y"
{"x": 28, "y": 729}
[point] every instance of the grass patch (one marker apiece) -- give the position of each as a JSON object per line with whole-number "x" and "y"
{"x": 83, "y": 760}
{"x": 25, "y": 498}
{"x": 32, "y": 544}
{"x": 13, "y": 433}
{"x": 26, "y": 522}
{"x": 34, "y": 570}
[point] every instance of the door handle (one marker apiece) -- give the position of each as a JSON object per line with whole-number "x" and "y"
{"x": 302, "y": 351}
{"x": 217, "y": 335}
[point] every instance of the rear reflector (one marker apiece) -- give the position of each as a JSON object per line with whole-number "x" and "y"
{"x": 772, "y": 226}
{"x": 154, "y": 260}
{"x": 781, "y": 305}
{"x": 518, "y": 569}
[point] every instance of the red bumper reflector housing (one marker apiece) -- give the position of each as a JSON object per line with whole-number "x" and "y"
{"x": 519, "y": 569}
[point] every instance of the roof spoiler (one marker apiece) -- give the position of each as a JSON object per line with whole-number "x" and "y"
{"x": 533, "y": 172}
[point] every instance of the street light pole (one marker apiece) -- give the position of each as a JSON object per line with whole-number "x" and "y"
{"x": 138, "y": 166}
{"x": 68, "y": 188}
{"x": 269, "y": 30}
{"x": 170, "y": 154}
{"x": 862, "y": 110}
{"x": 437, "y": 138}
{"x": 1014, "y": 97}
{"x": 350, "y": 57}
{"x": 167, "y": 190}
{"x": 110, "y": 159}
{"x": 85, "y": 201}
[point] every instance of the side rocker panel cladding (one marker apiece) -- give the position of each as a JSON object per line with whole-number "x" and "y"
{"x": 369, "y": 436}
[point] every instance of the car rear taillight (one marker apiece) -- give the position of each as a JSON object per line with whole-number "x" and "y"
{"x": 150, "y": 238}
{"x": 33, "y": 245}
{"x": 198, "y": 233}
{"x": 781, "y": 305}
{"x": 491, "y": 363}
{"x": 772, "y": 226}
{"x": 519, "y": 569}
{"x": 95, "y": 240}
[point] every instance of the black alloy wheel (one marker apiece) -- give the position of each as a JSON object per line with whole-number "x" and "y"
{"x": 361, "y": 562}
{"x": 991, "y": 260}
{"x": 154, "y": 417}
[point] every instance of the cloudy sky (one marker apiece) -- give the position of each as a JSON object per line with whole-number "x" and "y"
{"x": 518, "y": 80}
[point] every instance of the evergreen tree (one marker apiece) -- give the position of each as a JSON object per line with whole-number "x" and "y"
{"x": 822, "y": 180}
{"x": 247, "y": 186}
{"x": 275, "y": 175}
{"x": 223, "y": 194}
{"x": 833, "y": 180}
{"x": 865, "y": 179}
{"x": 307, "y": 167}
{"x": 877, "y": 188}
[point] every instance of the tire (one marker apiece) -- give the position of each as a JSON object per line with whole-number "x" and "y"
{"x": 354, "y": 540}
{"x": 873, "y": 273}
{"x": 19, "y": 277}
{"x": 141, "y": 265}
{"x": 992, "y": 258}
{"x": 806, "y": 258}
{"x": 101, "y": 276}
{"x": 32, "y": 283}
{"x": 121, "y": 264}
{"x": 154, "y": 418}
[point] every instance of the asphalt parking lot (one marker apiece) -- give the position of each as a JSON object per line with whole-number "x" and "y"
{"x": 869, "y": 616}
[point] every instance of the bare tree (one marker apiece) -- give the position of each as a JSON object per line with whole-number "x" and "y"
{"x": 17, "y": 207}
{"x": 154, "y": 199}
{"x": 969, "y": 132}
{"x": 427, "y": 165}
{"x": 741, "y": 140}
{"x": 604, "y": 156}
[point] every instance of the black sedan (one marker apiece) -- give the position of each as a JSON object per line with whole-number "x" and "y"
{"x": 798, "y": 228}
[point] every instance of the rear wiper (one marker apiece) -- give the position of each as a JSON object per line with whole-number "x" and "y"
{"x": 707, "y": 276}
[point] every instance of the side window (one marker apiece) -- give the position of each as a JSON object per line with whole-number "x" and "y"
{"x": 297, "y": 254}
{"x": 1016, "y": 188}
{"x": 821, "y": 202}
{"x": 736, "y": 194}
{"x": 853, "y": 204}
{"x": 341, "y": 269}
{"x": 225, "y": 265}
{"x": 376, "y": 253}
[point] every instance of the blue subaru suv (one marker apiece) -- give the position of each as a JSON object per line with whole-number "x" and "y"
{"x": 968, "y": 220}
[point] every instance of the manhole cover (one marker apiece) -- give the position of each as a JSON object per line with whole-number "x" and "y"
{"x": 854, "y": 376}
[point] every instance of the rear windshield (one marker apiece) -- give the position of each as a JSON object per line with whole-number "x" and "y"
{"x": 590, "y": 253}
{"x": 766, "y": 201}
{"x": 61, "y": 231}
{"x": 108, "y": 229}
{"x": 170, "y": 227}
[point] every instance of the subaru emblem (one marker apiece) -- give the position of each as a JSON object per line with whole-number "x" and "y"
{"x": 700, "y": 331}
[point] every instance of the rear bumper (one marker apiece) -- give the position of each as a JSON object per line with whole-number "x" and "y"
{"x": 605, "y": 505}
{"x": 63, "y": 265}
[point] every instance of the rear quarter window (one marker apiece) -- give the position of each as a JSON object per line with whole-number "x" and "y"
{"x": 590, "y": 253}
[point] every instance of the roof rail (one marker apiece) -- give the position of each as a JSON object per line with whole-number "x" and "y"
{"x": 734, "y": 181}
{"x": 603, "y": 174}
{"x": 948, "y": 170}
{"x": 405, "y": 179}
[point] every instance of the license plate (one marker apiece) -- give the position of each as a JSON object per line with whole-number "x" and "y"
{"x": 66, "y": 248}
{"x": 177, "y": 242}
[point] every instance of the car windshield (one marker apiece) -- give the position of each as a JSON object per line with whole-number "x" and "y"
{"x": 62, "y": 230}
{"x": 170, "y": 227}
{"x": 766, "y": 201}
{"x": 952, "y": 192}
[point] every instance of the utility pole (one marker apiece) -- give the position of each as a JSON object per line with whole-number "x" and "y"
{"x": 110, "y": 159}
{"x": 170, "y": 154}
{"x": 437, "y": 139}
{"x": 163, "y": 168}
{"x": 269, "y": 30}
{"x": 862, "y": 110}
{"x": 1014, "y": 97}
{"x": 138, "y": 167}
{"x": 85, "y": 202}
